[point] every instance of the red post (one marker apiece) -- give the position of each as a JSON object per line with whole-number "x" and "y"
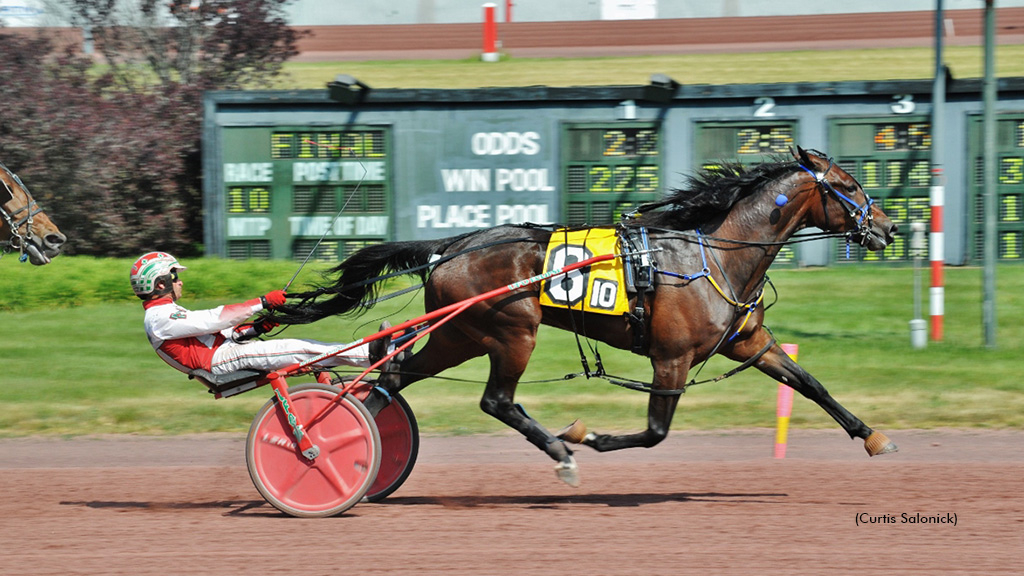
{"x": 937, "y": 256}
{"x": 508, "y": 10}
{"x": 490, "y": 51}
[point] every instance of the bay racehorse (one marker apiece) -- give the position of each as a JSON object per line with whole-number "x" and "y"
{"x": 711, "y": 242}
{"x": 23, "y": 224}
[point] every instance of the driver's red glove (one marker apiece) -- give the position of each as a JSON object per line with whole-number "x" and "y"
{"x": 264, "y": 326}
{"x": 273, "y": 299}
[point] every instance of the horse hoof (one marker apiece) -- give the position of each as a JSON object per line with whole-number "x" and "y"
{"x": 568, "y": 472}
{"x": 574, "y": 432}
{"x": 877, "y": 443}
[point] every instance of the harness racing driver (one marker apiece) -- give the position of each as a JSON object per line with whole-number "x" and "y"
{"x": 217, "y": 340}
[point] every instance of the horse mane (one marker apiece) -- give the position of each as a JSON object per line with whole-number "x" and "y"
{"x": 710, "y": 193}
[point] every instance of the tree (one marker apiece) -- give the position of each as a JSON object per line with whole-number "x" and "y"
{"x": 113, "y": 151}
{"x": 220, "y": 44}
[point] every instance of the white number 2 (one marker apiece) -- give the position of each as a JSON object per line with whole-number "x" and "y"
{"x": 765, "y": 107}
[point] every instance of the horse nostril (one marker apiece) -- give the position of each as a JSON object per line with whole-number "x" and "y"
{"x": 55, "y": 240}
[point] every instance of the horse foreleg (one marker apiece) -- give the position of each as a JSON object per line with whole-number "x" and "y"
{"x": 782, "y": 368}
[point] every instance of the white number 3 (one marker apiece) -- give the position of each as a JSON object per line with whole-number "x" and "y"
{"x": 903, "y": 104}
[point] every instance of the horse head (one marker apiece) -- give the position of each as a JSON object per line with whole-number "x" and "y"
{"x": 844, "y": 205}
{"x": 31, "y": 231}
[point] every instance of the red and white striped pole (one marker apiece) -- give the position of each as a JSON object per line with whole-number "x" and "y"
{"x": 784, "y": 407}
{"x": 490, "y": 52}
{"x": 936, "y": 254}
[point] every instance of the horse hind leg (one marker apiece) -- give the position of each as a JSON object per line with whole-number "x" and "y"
{"x": 445, "y": 348}
{"x": 509, "y": 356}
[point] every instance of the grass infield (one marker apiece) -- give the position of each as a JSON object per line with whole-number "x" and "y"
{"x": 76, "y": 360}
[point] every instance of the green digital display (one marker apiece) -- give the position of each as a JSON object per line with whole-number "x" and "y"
{"x": 746, "y": 143}
{"x": 243, "y": 199}
{"x": 902, "y": 136}
{"x": 892, "y": 162}
{"x": 1009, "y": 189}
{"x": 327, "y": 144}
{"x": 609, "y": 170}
{"x": 286, "y": 190}
{"x": 764, "y": 140}
{"x": 743, "y": 142}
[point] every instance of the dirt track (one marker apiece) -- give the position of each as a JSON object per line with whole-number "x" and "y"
{"x": 662, "y": 36}
{"x": 491, "y": 505}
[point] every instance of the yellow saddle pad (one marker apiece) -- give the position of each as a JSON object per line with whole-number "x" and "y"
{"x": 598, "y": 288}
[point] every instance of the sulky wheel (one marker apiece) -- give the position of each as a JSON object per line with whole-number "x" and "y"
{"x": 338, "y": 478}
{"x": 400, "y": 444}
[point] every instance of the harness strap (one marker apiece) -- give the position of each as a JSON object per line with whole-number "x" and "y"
{"x": 746, "y": 364}
{"x": 639, "y": 276}
{"x": 646, "y": 387}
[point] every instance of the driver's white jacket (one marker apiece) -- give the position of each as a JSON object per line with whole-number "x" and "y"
{"x": 186, "y": 339}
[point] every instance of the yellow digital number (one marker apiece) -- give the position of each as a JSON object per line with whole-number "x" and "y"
{"x": 624, "y": 179}
{"x": 894, "y": 173}
{"x": 748, "y": 139}
{"x": 896, "y": 209}
{"x": 920, "y": 209}
{"x": 647, "y": 179}
{"x": 1011, "y": 171}
{"x": 918, "y": 137}
{"x": 781, "y": 139}
{"x": 282, "y": 145}
{"x": 328, "y": 144}
{"x": 259, "y": 200}
{"x": 919, "y": 175}
{"x": 236, "y": 200}
{"x": 600, "y": 178}
{"x": 1009, "y": 245}
{"x": 372, "y": 150}
{"x": 306, "y": 145}
{"x": 614, "y": 143}
{"x": 869, "y": 174}
{"x": 647, "y": 143}
{"x": 885, "y": 138}
{"x": 1010, "y": 209}
{"x": 897, "y": 250}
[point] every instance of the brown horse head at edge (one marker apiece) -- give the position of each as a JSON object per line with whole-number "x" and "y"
{"x": 23, "y": 224}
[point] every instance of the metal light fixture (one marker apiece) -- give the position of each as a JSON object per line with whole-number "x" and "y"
{"x": 661, "y": 89}
{"x": 347, "y": 90}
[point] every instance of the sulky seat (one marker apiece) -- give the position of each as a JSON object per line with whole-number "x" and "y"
{"x": 224, "y": 385}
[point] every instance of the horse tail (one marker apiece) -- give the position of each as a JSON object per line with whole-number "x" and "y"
{"x": 358, "y": 279}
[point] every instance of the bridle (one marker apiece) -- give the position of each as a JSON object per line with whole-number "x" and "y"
{"x": 16, "y": 219}
{"x": 859, "y": 213}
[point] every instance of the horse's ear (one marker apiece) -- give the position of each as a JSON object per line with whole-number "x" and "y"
{"x": 802, "y": 156}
